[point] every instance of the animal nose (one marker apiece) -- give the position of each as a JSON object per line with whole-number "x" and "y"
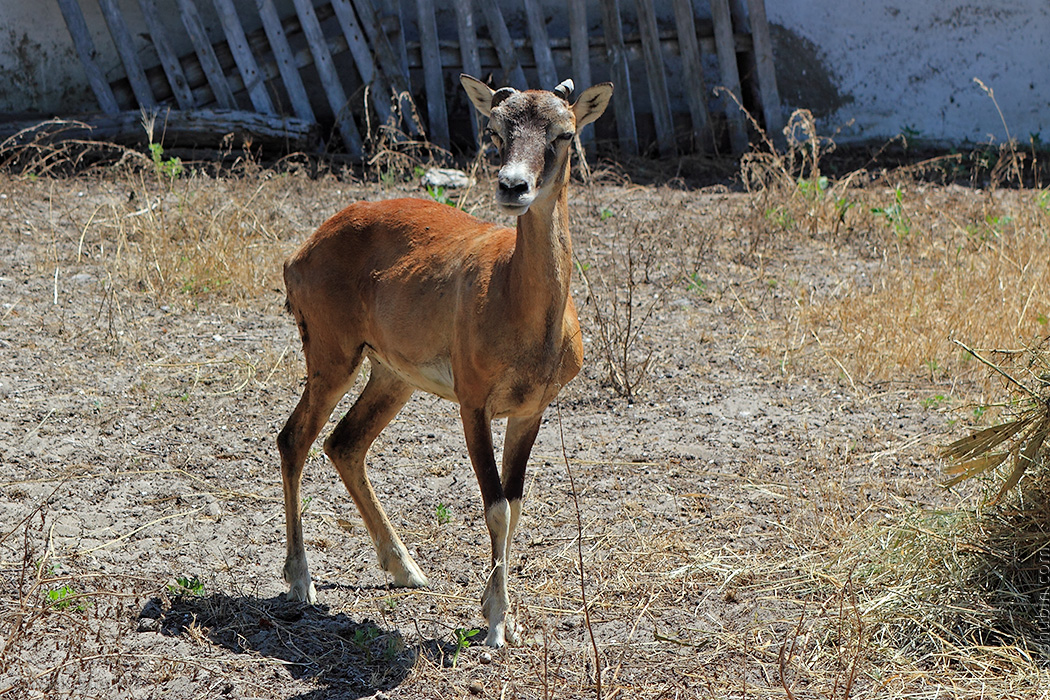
{"x": 510, "y": 184}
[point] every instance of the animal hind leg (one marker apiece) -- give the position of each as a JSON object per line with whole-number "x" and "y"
{"x": 379, "y": 402}
{"x": 324, "y": 388}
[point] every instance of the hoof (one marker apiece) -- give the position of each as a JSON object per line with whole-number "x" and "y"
{"x": 303, "y": 593}
{"x": 413, "y": 578}
{"x": 505, "y": 633}
{"x": 406, "y": 572}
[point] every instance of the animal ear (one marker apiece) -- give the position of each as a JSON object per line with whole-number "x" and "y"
{"x": 592, "y": 103}
{"x": 479, "y": 93}
{"x": 502, "y": 94}
{"x": 564, "y": 89}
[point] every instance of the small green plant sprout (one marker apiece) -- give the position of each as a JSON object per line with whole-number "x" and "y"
{"x": 440, "y": 195}
{"x": 307, "y": 500}
{"x": 364, "y": 636}
{"x": 695, "y": 284}
{"x": 936, "y": 401}
{"x": 842, "y": 205}
{"x": 813, "y": 189}
{"x": 909, "y": 132}
{"x": 65, "y": 598}
{"x": 1042, "y": 200}
{"x": 462, "y": 641}
{"x": 186, "y": 586}
{"x": 606, "y": 213}
{"x": 170, "y": 167}
{"x": 895, "y": 216}
{"x": 443, "y": 514}
{"x": 393, "y": 648}
{"x": 780, "y": 217}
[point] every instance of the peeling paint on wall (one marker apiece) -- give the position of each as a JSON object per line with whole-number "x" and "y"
{"x": 910, "y": 66}
{"x": 804, "y": 77}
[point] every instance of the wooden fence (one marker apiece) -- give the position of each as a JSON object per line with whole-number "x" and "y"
{"x": 353, "y": 64}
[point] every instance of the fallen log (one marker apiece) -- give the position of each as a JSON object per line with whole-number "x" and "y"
{"x": 199, "y": 128}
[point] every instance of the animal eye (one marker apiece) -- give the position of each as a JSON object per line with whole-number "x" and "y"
{"x": 566, "y": 136}
{"x": 494, "y": 136}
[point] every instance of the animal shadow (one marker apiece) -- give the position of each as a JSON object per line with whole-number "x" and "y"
{"x": 345, "y": 657}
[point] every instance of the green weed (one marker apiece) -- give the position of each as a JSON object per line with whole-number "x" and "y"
{"x": 65, "y": 598}
{"x": 440, "y": 195}
{"x": 936, "y": 401}
{"x": 462, "y": 641}
{"x": 443, "y": 514}
{"x": 168, "y": 167}
{"x": 695, "y": 284}
{"x": 186, "y": 586}
{"x": 895, "y": 215}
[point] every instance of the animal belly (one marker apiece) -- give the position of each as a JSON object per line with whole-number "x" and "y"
{"x": 434, "y": 377}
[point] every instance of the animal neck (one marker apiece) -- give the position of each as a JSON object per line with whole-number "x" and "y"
{"x": 542, "y": 261}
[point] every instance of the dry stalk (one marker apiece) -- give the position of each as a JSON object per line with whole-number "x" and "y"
{"x": 579, "y": 559}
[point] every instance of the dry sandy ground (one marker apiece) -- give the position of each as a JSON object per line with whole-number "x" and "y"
{"x": 137, "y": 439}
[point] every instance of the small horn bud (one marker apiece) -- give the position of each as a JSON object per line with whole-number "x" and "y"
{"x": 502, "y": 94}
{"x": 564, "y": 89}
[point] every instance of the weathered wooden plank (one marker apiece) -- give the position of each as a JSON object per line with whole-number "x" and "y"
{"x": 242, "y": 56}
{"x": 393, "y": 60}
{"x": 191, "y": 19}
{"x": 329, "y": 77}
{"x": 126, "y": 50}
{"x": 468, "y": 50}
{"x": 765, "y": 69}
{"x": 579, "y": 43}
{"x": 692, "y": 73}
{"x": 366, "y": 68}
{"x": 540, "y": 45}
{"x": 86, "y": 51}
{"x": 727, "y": 64}
{"x": 437, "y": 114}
{"x": 468, "y": 37}
{"x": 513, "y": 75}
{"x": 286, "y": 64}
{"x": 202, "y": 127}
{"x": 654, "y": 70}
{"x": 623, "y": 100}
{"x": 580, "y": 48}
{"x": 169, "y": 60}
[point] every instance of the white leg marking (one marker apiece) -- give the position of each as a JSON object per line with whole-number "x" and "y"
{"x": 496, "y": 600}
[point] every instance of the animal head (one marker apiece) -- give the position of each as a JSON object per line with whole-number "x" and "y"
{"x": 533, "y": 130}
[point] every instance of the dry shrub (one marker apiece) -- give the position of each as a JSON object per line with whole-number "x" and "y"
{"x": 631, "y": 252}
{"x": 958, "y": 588}
{"x": 789, "y": 192}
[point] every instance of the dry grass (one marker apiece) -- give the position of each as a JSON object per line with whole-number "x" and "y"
{"x": 839, "y": 598}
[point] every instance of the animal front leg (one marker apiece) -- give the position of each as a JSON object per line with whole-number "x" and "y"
{"x": 495, "y": 601}
{"x": 517, "y": 446}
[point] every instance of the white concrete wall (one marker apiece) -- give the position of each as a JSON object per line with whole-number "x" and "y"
{"x": 890, "y": 66}
{"x": 897, "y": 65}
